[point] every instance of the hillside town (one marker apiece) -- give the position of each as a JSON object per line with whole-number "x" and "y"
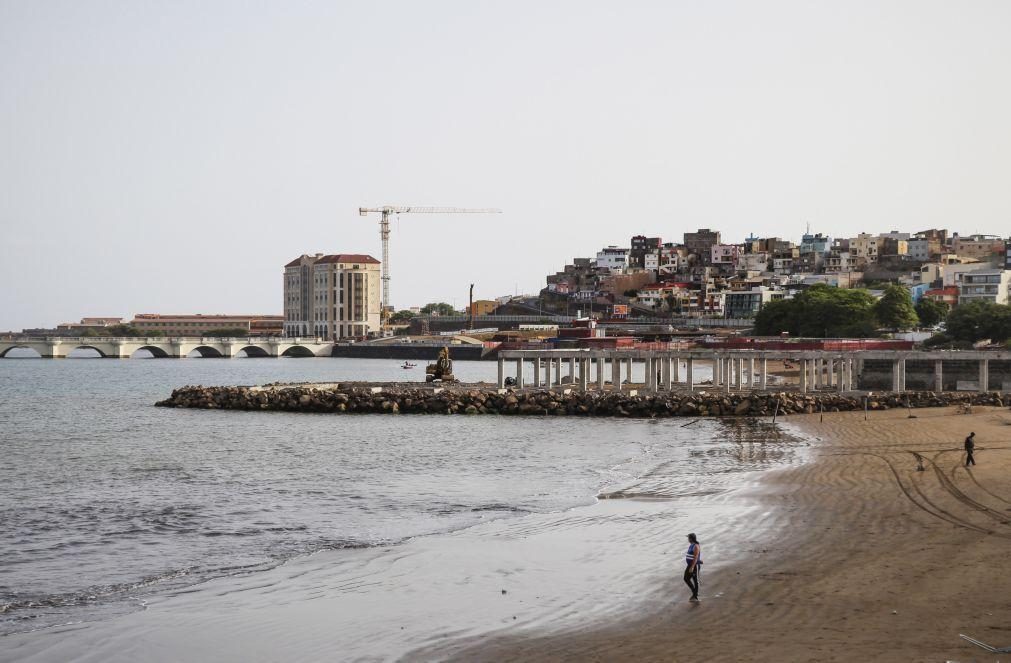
{"x": 704, "y": 276}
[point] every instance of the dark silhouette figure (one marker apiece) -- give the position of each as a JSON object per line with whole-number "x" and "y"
{"x": 970, "y": 446}
{"x": 693, "y": 560}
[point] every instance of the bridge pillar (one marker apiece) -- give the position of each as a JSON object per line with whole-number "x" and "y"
{"x": 615, "y": 373}
{"x": 558, "y": 369}
{"x": 600, "y": 373}
{"x": 52, "y": 351}
{"x": 665, "y": 373}
{"x": 537, "y": 372}
{"x": 676, "y": 370}
{"x": 584, "y": 373}
{"x": 804, "y": 369}
{"x": 689, "y": 378}
{"x": 984, "y": 375}
{"x": 178, "y": 352}
{"x": 938, "y": 377}
{"x": 501, "y": 372}
{"x": 519, "y": 373}
{"x": 764, "y": 379}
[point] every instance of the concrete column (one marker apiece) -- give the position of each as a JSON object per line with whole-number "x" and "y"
{"x": 717, "y": 366}
{"x": 616, "y": 373}
{"x": 751, "y": 372}
{"x": 764, "y": 380}
{"x": 728, "y": 374}
{"x": 501, "y": 372}
{"x": 537, "y": 372}
{"x": 648, "y": 382}
{"x": 557, "y": 361}
{"x": 689, "y": 365}
{"x": 984, "y": 375}
{"x": 804, "y": 372}
{"x": 600, "y": 373}
{"x": 839, "y": 369}
{"x": 584, "y": 373}
{"x": 628, "y": 369}
{"x": 676, "y": 370}
{"x": 938, "y": 377}
{"x": 547, "y": 372}
{"x": 665, "y": 364}
{"x": 740, "y": 373}
{"x": 896, "y": 378}
{"x": 813, "y": 368}
{"x": 572, "y": 370}
{"x": 902, "y": 374}
{"x": 519, "y": 373}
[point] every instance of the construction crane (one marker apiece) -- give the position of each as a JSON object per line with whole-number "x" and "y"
{"x": 384, "y": 233}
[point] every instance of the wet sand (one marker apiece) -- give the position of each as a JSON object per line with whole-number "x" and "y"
{"x": 873, "y": 561}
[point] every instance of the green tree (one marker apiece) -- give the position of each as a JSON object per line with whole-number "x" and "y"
{"x": 895, "y": 309}
{"x": 821, "y": 311}
{"x": 401, "y": 317}
{"x": 931, "y": 311}
{"x": 127, "y": 330}
{"x": 979, "y": 320}
{"x": 438, "y": 308}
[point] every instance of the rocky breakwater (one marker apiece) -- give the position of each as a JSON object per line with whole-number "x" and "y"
{"x": 482, "y": 399}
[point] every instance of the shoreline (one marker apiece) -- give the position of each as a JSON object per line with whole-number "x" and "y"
{"x": 595, "y": 563}
{"x": 863, "y": 567}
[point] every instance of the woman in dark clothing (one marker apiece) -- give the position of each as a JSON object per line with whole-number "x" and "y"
{"x": 693, "y": 559}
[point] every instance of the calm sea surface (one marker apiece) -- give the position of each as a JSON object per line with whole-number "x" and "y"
{"x": 105, "y": 499}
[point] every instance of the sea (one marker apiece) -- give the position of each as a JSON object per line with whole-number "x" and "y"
{"x": 106, "y": 500}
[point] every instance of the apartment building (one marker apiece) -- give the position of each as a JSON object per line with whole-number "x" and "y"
{"x": 701, "y": 242}
{"x": 747, "y": 303}
{"x": 332, "y": 296}
{"x": 981, "y": 247}
{"x": 198, "y": 324}
{"x": 989, "y": 285}
{"x": 864, "y": 248}
{"x": 725, "y": 254}
{"x": 613, "y": 259}
{"x": 641, "y": 246}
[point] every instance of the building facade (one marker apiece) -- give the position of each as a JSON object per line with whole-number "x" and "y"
{"x": 199, "y": 324}
{"x": 701, "y": 243}
{"x": 988, "y": 285}
{"x": 613, "y": 259}
{"x": 332, "y": 297}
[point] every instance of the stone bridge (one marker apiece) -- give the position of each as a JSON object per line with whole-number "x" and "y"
{"x": 175, "y": 347}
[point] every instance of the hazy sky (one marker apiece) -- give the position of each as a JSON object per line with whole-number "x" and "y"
{"x": 172, "y": 156}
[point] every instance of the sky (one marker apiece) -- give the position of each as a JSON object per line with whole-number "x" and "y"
{"x": 171, "y": 157}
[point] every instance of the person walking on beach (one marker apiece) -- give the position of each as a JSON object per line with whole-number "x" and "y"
{"x": 970, "y": 446}
{"x": 693, "y": 559}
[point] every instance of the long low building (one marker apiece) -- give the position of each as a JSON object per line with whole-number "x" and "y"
{"x": 199, "y": 324}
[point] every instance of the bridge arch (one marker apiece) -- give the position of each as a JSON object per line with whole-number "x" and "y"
{"x": 36, "y": 355}
{"x": 253, "y": 351}
{"x": 298, "y": 351}
{"x": 156, "y": 352}
{"x": 68, "y": 350}
{"x": 206, "y": 352}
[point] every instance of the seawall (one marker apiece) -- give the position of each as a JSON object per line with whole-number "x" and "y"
{"x": 366, "y": 398}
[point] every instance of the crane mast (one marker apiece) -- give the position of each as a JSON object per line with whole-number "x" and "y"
{"x": 384, "y": 234}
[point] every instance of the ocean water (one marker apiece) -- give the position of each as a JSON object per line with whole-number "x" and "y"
{"x": 106, "y": 500}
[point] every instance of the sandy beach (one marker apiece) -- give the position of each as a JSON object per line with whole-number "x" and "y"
{"x": 849, "y": 553}
{"x": 872, "y": 560}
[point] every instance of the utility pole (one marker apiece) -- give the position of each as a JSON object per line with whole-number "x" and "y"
{"x": 472, "y": 307}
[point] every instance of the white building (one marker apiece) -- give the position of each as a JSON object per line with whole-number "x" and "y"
{"x": 613, "y": 259}
{"x": 332, "y": 296}
{"x": 988, "y": 285}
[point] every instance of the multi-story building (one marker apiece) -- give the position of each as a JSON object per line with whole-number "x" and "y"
{"x": 724, "y": 254}
{"x": 988, "y": 285}
{"x": 919, "y": 248}
{"x": 332, "y": 296}
{"x": 613, "y": 259}
{"x": 981, "y": 247}
{"x": 815, "y": 243}
{"x": 642, "y": 245}
{"x": 701, "y": 243}
{"x": 838, "y": 261}
{"x": 747, "y": 303}
{"x": 199, "y": 324}
{"x": 1007, "y": 254}
{"x": 864, "y": 248}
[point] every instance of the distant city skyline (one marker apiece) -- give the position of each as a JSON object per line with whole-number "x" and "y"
{"x": 169, "y": 157}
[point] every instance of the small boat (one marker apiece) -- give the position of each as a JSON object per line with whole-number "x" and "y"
{"x": 408, "y": 364}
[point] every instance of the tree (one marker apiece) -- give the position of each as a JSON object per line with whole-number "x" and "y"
{"x": 895, "y": 309}
{"x": 401, "y": 316}
{"x": 127, "y": 330}
{"x": 979, "y": 320}
{"x": 931, "y": 311}
{"x": 438, "y": 308}
{"x": 821, "y": 311}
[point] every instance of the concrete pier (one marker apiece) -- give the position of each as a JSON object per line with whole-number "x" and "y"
{"x": 739, "y": 370}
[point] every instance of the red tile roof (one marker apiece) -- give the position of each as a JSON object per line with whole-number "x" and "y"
{"x": 295, "y": 263}
{"x": 348, "y": 257}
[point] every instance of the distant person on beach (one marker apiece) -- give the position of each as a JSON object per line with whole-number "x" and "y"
{"x": 693, "y": 559}
{"x": 970, "y": 446}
